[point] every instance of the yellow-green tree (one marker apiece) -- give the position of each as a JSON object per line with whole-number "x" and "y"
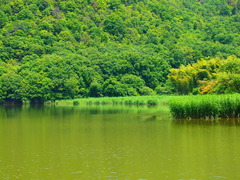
{"x": 183, "y": 79}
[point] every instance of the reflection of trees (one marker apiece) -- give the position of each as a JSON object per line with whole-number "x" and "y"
{"x": 10, "y": 111}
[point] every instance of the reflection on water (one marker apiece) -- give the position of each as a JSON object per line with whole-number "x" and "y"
{"x": 207, "y": 122}
{"x": 114, "y": 142}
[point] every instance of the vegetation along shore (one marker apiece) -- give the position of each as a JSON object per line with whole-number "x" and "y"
{"x": 181, "y": 107}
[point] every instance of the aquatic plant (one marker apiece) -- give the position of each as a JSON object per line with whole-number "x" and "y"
{"x": 152, "y": 102}
{"x": 130, "y": 100}
{"x": 181, "y": 107}
{"x": 206, "y": 106}
{"x": 75, "y": 102}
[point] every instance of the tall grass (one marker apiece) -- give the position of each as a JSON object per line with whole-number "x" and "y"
{"x": 130, "y": 100}
{"x": 181, "y": 107}
{"x": 206, "y": 106}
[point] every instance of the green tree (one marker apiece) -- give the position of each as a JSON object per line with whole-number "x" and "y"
{"x": 113, "y": 88}
{"x": 3, "y": 19}
{"x": 95, "y": 89}
{"x": 133, "y": 81}
{"x": 146, "y": 91}
{"x": 10, "y": 87}
{"x": 25, "y": 14}
{"x": 35, "y": 87}
{"x": 228, "y": 79}
{"x": 115, "y": 25}
{"x": 47, "y": 37}
{"x": 227, "y": 83}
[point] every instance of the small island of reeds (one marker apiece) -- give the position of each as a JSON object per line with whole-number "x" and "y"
{"x": 205, "y": 106}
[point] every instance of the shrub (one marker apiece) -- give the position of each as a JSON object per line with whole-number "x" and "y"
{"x": 75, "y": 102}
{"x": 152, "y": 102}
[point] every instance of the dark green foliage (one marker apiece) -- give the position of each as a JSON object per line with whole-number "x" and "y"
{"x": 152, "y": 102}
{"x": 112, "y": 87}
{"x": 77, "y": 48}
{"x": 3, "y": 19}
{"x": 146, "y": 91}
{"x": 75, "y": 102}
{"x": 11, "y": 84}
{"x": 95, "y": 89}
{"x": 115, "y": 25}
{"x": 25, "y": 14}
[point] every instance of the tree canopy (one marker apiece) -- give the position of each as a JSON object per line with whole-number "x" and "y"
{"x": 75, "y": 48}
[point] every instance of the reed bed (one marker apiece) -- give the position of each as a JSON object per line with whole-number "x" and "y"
{"x": 130, "y": 100}
{"x": 181, "y": 107}
{"x": 206, "y": 106}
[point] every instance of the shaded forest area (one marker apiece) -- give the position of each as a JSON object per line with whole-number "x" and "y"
{"x": 51, "y": 49}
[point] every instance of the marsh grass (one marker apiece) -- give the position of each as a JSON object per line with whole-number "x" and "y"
{"x": 181, "y": 107}
{"x": 131, "y": 100}
{"x": 75, "y": 102}
{"x": 206, "y": 106}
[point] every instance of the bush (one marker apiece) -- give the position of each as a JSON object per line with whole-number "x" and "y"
{"x": 147, "y": 91}
{"x": 152, "y": 102}
{"x": 75, "y": 102}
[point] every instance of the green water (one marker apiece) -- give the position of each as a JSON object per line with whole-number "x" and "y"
{"x": 114, "y": 143}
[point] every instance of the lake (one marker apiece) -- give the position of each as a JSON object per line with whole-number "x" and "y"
{"x": 108, "y": 142}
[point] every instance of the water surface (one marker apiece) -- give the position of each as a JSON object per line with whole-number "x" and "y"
{"x": 114, "y": 142}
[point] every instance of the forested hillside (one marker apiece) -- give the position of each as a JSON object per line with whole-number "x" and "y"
{"x": 58, "y": 49}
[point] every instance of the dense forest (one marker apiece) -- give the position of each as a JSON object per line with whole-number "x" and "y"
{"x": 52, "y": 49}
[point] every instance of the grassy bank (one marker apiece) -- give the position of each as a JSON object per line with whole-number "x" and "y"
{"x": 206, "y": 106}
{"x": 131, "y": 100}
